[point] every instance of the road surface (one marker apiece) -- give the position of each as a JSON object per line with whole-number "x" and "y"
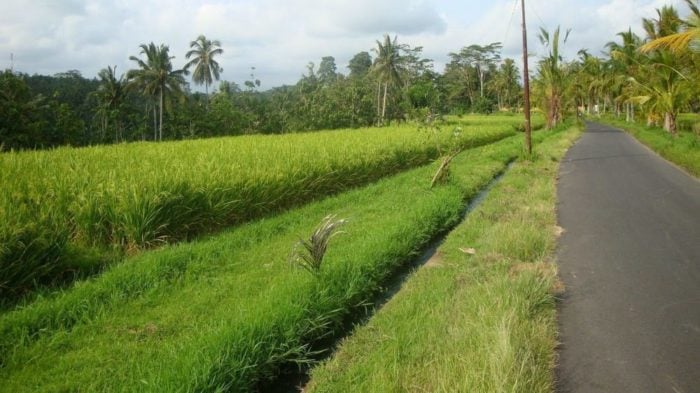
{"x": 630, "y": 261}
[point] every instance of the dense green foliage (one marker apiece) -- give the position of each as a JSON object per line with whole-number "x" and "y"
{"x": 153, "y": 101}
{"x": 639, "y": 79}
{"x": 62, "y": 209}
{"x": 479, "y": 317}
{"x": 227, "y": 312}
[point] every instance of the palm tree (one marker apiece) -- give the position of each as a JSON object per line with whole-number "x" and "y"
{"x": 206, "y": 69}
{"x": 110, "y": 95}
{"x": 660, "y": 86}
{"x": 625, "y": 59}
{"x": 505, "y": 84}
{"x": 679, "y": 41}
{"x": 387, "y": 66}
{"x": 551, "y": 78}
{"x": 156, "y": 78}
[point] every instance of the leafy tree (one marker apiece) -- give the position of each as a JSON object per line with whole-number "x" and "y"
{"x": 360, "y": 65}
{"x": 18, "y": 125}
{"x": 156, "y": 78}
{"x": 327, "y": 70}
{"x": 483, "y": 58}
{"x": 206, "y": 69}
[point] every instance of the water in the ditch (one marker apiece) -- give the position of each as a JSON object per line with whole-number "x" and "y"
{"x": 294, "y": 379}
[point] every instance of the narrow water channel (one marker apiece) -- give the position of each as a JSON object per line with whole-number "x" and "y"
{"x": 294, "y": 380}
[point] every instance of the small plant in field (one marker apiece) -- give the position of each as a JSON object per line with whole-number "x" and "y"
{"x": 308, "y": 254}
{"x": 432, "y": 125}
{"x": 443, "y": 173}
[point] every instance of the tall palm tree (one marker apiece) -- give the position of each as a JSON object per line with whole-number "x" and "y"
{"x": 660, "y": 86}
{"x": 505, "y": 84}
{"x": 677, "y": 42}
{"x": 387, "y": 66}
{"x": 206, "y": 69}
{"x": 625, "y": 60}
{"x": 110, "y": 95}
{"x": 552, "y": 75}
{"x": 156, "y": 78}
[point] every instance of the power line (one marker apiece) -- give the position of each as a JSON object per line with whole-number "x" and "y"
{"x": 510, "y": 22}
{"x": 534, "y": 11}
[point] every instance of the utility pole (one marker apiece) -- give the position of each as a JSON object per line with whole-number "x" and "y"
{"x": 12, "y": 62}
{"x": 526, "y": 87}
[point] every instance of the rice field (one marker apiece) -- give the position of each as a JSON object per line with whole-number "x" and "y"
{"x": 68, "y": 212}
{"x": 193, "y": 310}
{"x": 227, "y": 313}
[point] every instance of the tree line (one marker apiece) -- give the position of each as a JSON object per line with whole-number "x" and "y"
{"x": 650, "y": 78}
{"x": 154, "y": 101}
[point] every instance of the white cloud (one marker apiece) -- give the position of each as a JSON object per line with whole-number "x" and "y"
{"x": 280, "y": 37}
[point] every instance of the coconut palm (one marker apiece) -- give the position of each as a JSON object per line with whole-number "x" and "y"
{"x": 552, "y": 76}
{"x": 110, "y": 95}
{"x": 206, "y": 69}
{"x": 677, "y": 42}
{"x": 505, "y": 84}
{"x": 625, "y": 60}
{"x": 155, "y": 77}
{"x": 661, "y": 86}
{"x": 387, "y": 66}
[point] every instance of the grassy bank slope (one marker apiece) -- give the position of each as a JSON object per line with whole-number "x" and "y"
{"x": 479, "y": 317}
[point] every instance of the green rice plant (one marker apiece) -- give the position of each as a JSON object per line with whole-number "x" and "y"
{"x": 226, "y": 313}
{"x": 308, "y": 254}
{"x": 128, "y": 197}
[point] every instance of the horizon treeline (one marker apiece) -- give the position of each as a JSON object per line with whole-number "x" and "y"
{"x": 153, "y": 101}
{"x": 652, "y": 79}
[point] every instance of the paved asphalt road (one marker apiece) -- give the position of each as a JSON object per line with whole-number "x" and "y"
{"x": 630, "y": 261}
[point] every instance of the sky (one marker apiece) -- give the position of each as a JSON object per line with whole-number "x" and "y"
{"x": 279, "y": 38}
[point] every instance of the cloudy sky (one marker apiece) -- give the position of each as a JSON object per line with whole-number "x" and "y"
{"x": 279, "y": 38}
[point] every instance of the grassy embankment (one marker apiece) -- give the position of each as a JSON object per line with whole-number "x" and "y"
{"x": 67, "y": 211}
{"x": 226, "y": 313}
{"x": 683, "y": 150}
{"x": 480, "y": 320}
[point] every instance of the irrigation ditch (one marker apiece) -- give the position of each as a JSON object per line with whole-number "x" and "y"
{"x": 294, "y": 377}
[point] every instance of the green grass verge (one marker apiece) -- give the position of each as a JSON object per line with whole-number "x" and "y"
{"x": 470, "y": 323}
{"x": 228, "y": 312}
{"x": 68, "y": 210}
{"x": 683, "y": 150}
{"x": 689, "y": 122}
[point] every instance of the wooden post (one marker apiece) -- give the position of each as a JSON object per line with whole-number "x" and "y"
{"x": 526, "y": 87}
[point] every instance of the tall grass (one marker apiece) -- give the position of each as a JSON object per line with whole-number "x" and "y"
{"x": 226, "y": 313}
{"x": 479, "y": 317}
{"x": 59, "y": 208}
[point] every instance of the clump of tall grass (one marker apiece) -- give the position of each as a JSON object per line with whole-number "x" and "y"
{"x": 308, "y": 254}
